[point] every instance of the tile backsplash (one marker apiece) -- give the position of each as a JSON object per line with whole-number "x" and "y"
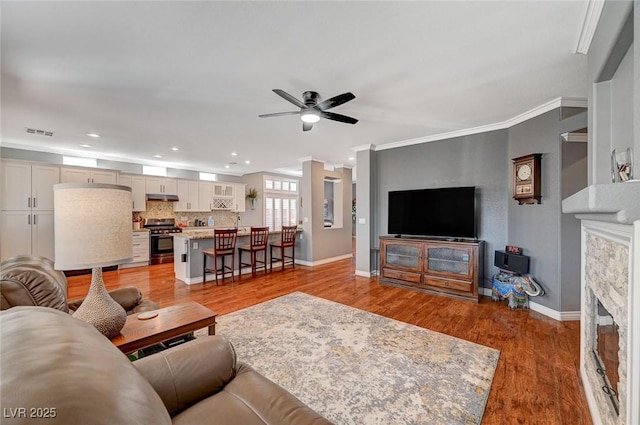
{"x": 165, "y": 210}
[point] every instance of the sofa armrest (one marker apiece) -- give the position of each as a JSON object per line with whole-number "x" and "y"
{"x": 190, "y": 372}
{"x": 129, "y": 297}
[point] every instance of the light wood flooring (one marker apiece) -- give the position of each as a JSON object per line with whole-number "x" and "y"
{"x": 537, "y": 379}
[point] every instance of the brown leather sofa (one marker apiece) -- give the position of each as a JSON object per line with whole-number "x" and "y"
{"x": 30, "y": 280}
{"x": 56, "y": 369}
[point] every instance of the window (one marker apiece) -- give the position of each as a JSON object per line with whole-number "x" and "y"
{"x": 154, "y": 171}
{"x": 281, "y": 202}
{"x": 83, "y": 162}
{"x": 208, "y": 177}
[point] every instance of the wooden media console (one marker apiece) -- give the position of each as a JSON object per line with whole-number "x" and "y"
{"x": 442, "y": 267}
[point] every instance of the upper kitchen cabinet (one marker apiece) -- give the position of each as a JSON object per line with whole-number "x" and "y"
{"x": 223, "y": 196}
{"x": 239, "y": 195}
{"x": 164, "y": 185}
{"x": 205, "y": 196}
{"x": 27, "y": 186}
{"x": 188, "y": 196}
{"x": 87, "y": 175}
{"x": 138, "y": 190}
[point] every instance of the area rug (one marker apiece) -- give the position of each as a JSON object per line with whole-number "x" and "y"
{"x": 355, "y": 367}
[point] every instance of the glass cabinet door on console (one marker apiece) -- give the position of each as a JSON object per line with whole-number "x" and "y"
{"x": 401, "y": 261}
{"x": 449, "y": 261}
{"x": 403, "y": 255}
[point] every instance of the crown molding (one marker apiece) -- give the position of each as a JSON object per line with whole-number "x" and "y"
{"x": 309, "y": 158}
{"x": 589, "y": 25}
{"x": 360, "y": 148}
{"x": 338, "y": 166}
{"x": 573, "y": 102}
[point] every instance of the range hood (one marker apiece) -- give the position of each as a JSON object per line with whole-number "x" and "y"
{"x": 162, "y": 197}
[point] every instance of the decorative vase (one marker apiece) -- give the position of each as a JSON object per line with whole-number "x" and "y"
{"x": 621, "y": 165}
{"x": 252, "y": 202}
{"x": 99, "y": 309}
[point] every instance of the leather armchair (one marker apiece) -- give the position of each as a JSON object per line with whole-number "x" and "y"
{"x": 29, "y": 280}
{"x": 57, "y": 365}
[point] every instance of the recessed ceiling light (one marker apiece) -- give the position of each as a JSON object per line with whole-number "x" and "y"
{"x": 234, "y": 154}
{"x": 96, "y": 135}
{"x": 351, "y": 158}
{"x": 227, "y": 166}
{"x": 157, "y": 156}
{"x": 247, "y": 162}
{"x": 175, "y": 149}
{"x": 85, "y": 146}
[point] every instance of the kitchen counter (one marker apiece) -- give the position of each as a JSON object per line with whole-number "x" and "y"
{"x": 188, "y": 256}
{"x": 207, "y": 232}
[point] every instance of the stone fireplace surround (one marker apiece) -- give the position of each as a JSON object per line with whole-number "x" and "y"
{"x": 610, "y": 252}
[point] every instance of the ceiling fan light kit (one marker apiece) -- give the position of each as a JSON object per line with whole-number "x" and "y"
{"x": 309, "y": 116}
{"x": 311, "y": 111}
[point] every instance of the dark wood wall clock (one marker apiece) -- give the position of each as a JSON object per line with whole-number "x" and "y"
{"x": 526, "y": 179}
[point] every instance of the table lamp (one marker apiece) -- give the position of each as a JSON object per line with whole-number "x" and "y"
{"x": 92, "y": 228}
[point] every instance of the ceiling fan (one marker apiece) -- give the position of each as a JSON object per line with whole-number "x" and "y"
{"x": 311, "y": 111}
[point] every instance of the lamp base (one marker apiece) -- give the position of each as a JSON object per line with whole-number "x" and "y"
{"x": 99, "y": 309}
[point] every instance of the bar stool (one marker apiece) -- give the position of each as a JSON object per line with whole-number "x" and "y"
{"x": 257, "y": 243}
{"x": 224, "y": 244}
{"x": 287, "y": 240}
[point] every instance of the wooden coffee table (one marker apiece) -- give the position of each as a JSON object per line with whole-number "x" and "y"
{"x": 170, "y": 322}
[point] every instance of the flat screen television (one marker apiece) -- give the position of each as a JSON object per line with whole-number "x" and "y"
{"x": 443, "y": 212}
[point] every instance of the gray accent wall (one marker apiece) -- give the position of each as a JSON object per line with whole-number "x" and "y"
{"x": 574, "y": 179}
{"x": 538, "y": 228}
{"x": 551, "y": 239}
{"x": 478, "y": 160}
{"x": 366, "y": 213}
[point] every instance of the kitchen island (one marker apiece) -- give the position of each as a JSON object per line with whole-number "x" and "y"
{"x": 188, "y": 257}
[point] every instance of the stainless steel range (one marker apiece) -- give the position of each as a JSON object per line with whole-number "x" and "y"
{"x": 161, "y": 230}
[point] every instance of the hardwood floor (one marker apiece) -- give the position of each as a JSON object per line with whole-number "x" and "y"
{"x": 537, "y": 379}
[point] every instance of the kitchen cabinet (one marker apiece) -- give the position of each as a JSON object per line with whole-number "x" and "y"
{"x": 167, "y": 186}
{"x": 140, "y": 245}
{"x": 205, "y": 196}
{"x": 26, "y": 218}
{"x": 26, "y": 232}
{"x": 239, "y": 195}
{"x": 227, "y": 196}
{"x": 28, "y": 186}
{"x": 138, "y": 190}
{"x": 188, "y": 195}
{"x": 87, "y": 175}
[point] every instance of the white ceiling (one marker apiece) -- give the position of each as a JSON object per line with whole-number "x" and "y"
{"x": 149, "y": 76}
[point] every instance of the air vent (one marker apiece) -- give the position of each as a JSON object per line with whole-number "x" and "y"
{"x": 39, "y": 132}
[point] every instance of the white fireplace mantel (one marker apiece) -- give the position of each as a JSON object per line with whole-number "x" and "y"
{"x": 612, "y": 202}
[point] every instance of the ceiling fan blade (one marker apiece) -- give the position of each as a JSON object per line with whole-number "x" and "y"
{"x": 306, "y": 126}
{"x": 286, "y": 96}
{"x": 278, "y": 114}
{"x": 335, "y": 101}
{"x": 338, "y": 117}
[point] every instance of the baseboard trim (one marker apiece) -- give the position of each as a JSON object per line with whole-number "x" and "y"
{"x": 363, "y": 273}
{"x": 561, "y": 316}
{"x": 324, "y": 260}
